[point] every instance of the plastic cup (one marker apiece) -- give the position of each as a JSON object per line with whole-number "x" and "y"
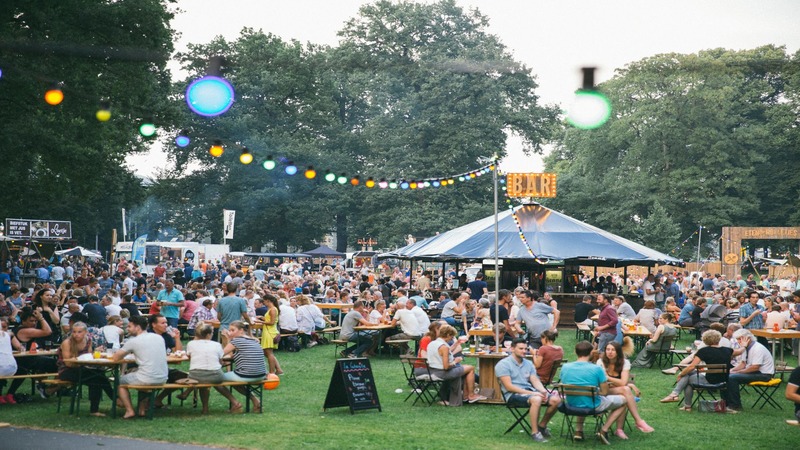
{"x": 472, "y": 348}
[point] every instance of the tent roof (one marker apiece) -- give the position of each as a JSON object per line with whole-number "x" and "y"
{"x": 550, "y": 234}
{"x": 324, "y": 250}
{"x": 79, "y": 251}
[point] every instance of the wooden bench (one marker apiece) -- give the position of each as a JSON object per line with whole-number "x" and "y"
{"x": 396, "y": 343}
{"x": 34, "y": 377}
{"x": 691, "y": 330}
{"x": 252, "y": 387}
{"x": 333, "y": 331}
{"x": 339, "y": 343}
{"x": 63, "y": 384}
{"x": 583, "y": 332}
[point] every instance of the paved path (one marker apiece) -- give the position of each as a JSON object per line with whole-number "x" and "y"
{"x": 30, "y": 439}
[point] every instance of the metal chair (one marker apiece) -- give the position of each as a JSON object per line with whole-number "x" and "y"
{"x": 765, "y": 391}
{"x": 519, "y": 413}
{"x": 425, "y": 385}
{"x": 568, "y": 391}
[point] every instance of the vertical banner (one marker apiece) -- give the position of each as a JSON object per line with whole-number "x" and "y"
{"x": 228, "y": 219}
{"x": 124, "y": 226}
{"x": 137, "y": 252}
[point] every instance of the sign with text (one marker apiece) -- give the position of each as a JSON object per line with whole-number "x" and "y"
{"x": 352, "y": 384}
{"x": 38, "y": 229}
{"x": 541, "y": 185}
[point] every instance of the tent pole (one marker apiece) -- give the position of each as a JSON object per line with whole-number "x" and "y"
{"x": 496, "y": 267}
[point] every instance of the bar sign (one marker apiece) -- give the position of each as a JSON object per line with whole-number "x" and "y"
{"x": 541, "y": 185}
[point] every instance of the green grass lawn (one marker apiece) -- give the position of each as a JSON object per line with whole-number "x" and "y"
{"x": 293, "y": 417}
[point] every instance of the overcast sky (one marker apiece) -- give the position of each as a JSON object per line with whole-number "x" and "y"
{"x": 553, "y": 38}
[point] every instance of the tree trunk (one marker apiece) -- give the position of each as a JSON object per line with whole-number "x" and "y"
{"x": 342, "y": 234}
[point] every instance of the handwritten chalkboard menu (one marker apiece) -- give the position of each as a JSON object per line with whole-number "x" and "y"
{"x": 353, "y": 385}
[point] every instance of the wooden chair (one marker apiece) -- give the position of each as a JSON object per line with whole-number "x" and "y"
{"x": 701, "y": 388}
{"x": 570, "y": 412}
{"x": 552, "y": 378}
{"x": 663, "y": 354}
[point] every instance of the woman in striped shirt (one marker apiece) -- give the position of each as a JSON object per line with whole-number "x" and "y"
{"x": 248, "y": 360}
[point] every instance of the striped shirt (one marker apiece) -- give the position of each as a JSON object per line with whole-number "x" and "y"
{"x": 248, "y": 358}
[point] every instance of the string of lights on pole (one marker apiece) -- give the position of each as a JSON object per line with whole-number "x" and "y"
{"x": 683, "y": 244}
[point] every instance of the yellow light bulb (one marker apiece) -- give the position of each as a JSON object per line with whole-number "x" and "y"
{"x": 54, "y": 97}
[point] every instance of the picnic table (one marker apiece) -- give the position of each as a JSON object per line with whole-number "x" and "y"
{"x": 776, "y": 336}
{"x": 487, "y": 381}
{"x": 337, "y": 306}
{"x": 640, "y": 336}
{"x": 108, "y": 364}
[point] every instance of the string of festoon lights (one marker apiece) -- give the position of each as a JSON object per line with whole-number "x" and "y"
{"x": 683, "y": 244}
{"x": 290, "y": 168}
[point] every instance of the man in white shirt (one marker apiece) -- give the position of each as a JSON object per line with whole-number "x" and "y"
{"x": 759, "y": 366}
{"x": 287, "y": 320}
{"x": 58, "y": 275}
{"x": 409, "y": 325}
{"x": 649, "y": 289}
{"x": 111, "y": 309}
{"x": 129, "y": 283}
{"x": 422, "y": 318}
{"x": 151, "y": 359}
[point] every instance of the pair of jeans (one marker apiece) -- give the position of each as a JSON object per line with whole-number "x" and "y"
{"x": 363, "y": 341}
{"x": 737, "y": 379}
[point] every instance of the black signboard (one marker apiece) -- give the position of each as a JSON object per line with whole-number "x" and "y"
{"x": 152, "y": 255}
{"x": 38, "y": 229}
{"x": 352, "y": 384}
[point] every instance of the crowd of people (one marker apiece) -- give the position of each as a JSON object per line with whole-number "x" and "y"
{"x": 78, "y": 308}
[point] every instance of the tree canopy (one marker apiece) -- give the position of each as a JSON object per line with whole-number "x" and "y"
{"x": 699, "y": 139}
{"x": 412, "y": 91}
{"x": 59, "y": 162}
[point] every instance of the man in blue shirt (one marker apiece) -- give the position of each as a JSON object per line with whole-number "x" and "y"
{"x": 750, "y": 316}
{"x": 170, "y": 300}
{"x": 42, "y": 274}
{"x": 478, "y": 287}
{"x": 5, "y": 281}
{"x": 521, "y": 387}
{"x": 584, "y": 373}
{"x": 105, "y": 283}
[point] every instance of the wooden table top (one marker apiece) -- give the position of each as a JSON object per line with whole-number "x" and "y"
{"x": 381, "y": 326}
{"x": 783, "y": 334}
{"x": 36, "y": 353}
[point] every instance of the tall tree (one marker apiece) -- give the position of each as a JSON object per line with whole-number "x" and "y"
{"x": 413, "y": 91}
{"x": 695, "y": 133}
{"x": 59, "y": 162}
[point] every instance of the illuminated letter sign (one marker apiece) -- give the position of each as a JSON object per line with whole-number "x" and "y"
{"x": 541, "y": 185}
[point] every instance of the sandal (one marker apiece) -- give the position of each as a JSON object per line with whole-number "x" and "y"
{"x": 237, "y": 409}
{"x": 578, "y": 436}
{"x": 621, "y": 434}
{"x": 670, "y": 399}
{"x": 685, "y": 408}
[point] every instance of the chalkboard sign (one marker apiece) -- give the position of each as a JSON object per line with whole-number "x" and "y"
{"x": 353, "y": 385}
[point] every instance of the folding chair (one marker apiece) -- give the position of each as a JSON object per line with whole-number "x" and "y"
{"x": 552, "y": 377}
{"x": 425, "y": 385}
{"x": 664, "y": 352}
{"x": 520, "y": 413}
{"x": 571, "y": 390}
{"x": 765, "y": 391}
{"x": 700, "y": 387}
